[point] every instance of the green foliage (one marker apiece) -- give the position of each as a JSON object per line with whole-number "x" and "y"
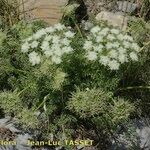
{"x": 58, "y": 79}
{"x": 137, "y": 75}
{"x": 120, "y": 111}
{"x": 89, "y": 74}
{"x": 69, "y": 10}
{"x": 140, "y": 30}
{"x": 28, "y": 118}
{"x": 66, "y": 95}
{"x": 9, "y": 101}
{"x": 2, "y": 38}
{"x": 100, "y": 107}
{"x": 12, "y": 105}
{"x": 90, "y": 102}
{"x": 145, "y": 10}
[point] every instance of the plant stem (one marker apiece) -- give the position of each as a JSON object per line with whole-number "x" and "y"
{"x": 23, "y": 90}
{"x": 42, "y": 103}
{"x": 146, "y": 44}
{"x": 78, "y": 28}
{"x": 133, "y": 87}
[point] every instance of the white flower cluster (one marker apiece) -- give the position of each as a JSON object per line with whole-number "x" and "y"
{"x": 86, "y": 25}
{"x": 110, "y": 47}
{"x": 53, "y": 42}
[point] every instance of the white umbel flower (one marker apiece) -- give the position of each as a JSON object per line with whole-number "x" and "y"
{"x": 113, "y": 54}
{"x": 34, "y": 58}
{"x": 98, "y": 48}
{"x": 95, "y": 29}
{"x": 48, "y": 53}
{"x": 115, "y": 31}
{"x": 111, "y": 37}
{"x": 104, "y": 60}
{"x": 122, "y": 50}
{"x": 92, "y": 55}
{"x": 114, "y": 65}
{"x": 45, "y": 46}
{"x": 48, "y": 38}
{"x": 88, "y": 45}
{"x": 116, "y": 44}
{"x": 50, "y": 30}
{"x": 128, "y": 38}
{"x": 25, "y": 47}
{"x": 67, "y": 49}
{"x": 135, "y": 47}
{"x": 122, "y": 58}
{"x": 99, "y": 39}
{"x": 111, "y": 46}
{"x": 58, "y": 52}
{"x": 59, "y": 27}
{"x": 133, "y": 56}
{"x": 69, "y": 34}
{"x": 120, "y": 37}
{"x": 34, "y": 44}
{"x": 65, "y": 42}
{"x": 104, "y": 31}
{"x": 55, "y": 39}
{"x": 39, "y": 34}
{"x": 56, "y": 59}
{"x": 126, "y": 44}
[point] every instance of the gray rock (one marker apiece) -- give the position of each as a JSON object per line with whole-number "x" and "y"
{"x": 117, "y": 20}
{"x": 8, "y": 123}
{"x": 135, "y": 135}
{"x": 144, "y": 135}
{"x": 22, "y": 142}
{"x": 7, "y": 148}
{"x": 126, "y": 6}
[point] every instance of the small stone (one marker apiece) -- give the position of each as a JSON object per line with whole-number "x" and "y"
{"x": 126, "y": 6}
{"x": 117, "y": 20}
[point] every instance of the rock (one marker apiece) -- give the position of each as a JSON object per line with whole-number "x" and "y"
{"x": 22, "y": 140}
{"x": 126, "y": 6}
{"x": 96, "y": 6}
{"x": 9, "y": 124}
{"x": 48, "y": 10}
{"x": 144, "y": 135}
{"x": 117, "y": 20}
{"x": 136, "y": 133}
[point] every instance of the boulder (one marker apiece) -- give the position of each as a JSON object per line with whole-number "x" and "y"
{"x": 48, "y": 10}
{"x": 115, "y": 19}
{"x": 126, "y": 6}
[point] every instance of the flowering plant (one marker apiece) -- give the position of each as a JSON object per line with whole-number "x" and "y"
{"x": 110, "y": 47}
{"x": 53, "y": 42}
{"x": 57, "y": 99}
